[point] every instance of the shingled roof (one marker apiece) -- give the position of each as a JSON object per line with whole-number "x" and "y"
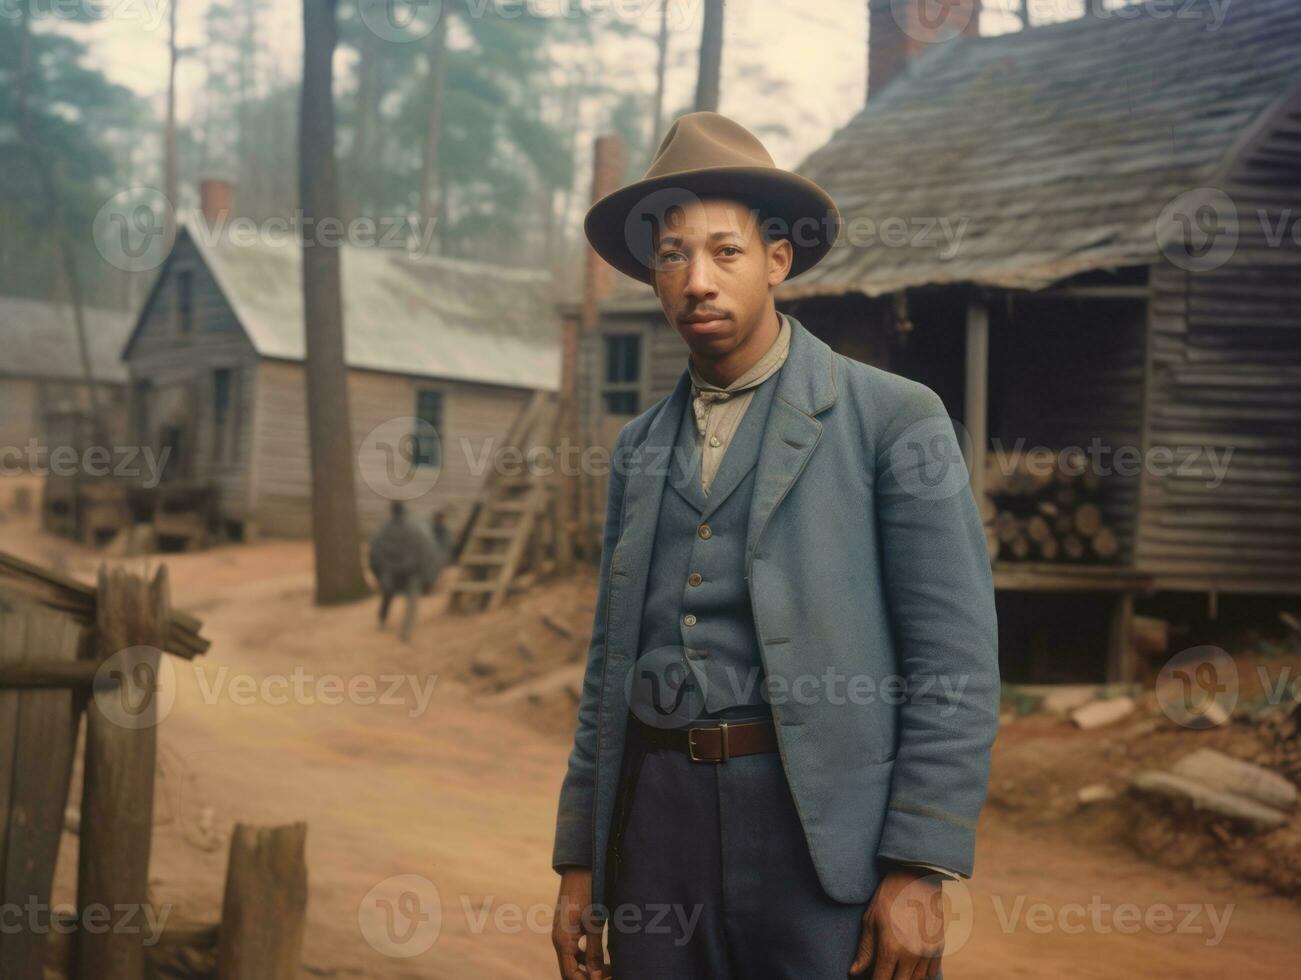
{"x": 40, "y": 341}
{"x": 1051, "y": 151}
{"x": 425, "y": 316}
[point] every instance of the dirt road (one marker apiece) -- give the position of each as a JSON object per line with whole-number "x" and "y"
{"x": 440, "y": 809}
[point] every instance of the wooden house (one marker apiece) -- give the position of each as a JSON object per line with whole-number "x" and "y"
{"x": 432, "y": 345}
{"x": 1080, "y": 234}
{"x": 42, "y": 376}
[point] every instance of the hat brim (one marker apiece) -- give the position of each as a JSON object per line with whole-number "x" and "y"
{"x": 620, "y": 229}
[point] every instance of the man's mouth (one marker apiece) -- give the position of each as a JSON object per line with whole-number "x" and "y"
{"x": 696, "y": 319}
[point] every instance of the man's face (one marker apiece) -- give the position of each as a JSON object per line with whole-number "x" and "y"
{"x": 713, "y": 273}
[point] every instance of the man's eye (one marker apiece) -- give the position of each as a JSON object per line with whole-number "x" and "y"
{"x": 730, "y": 250}
{"x": 668, "y": 257}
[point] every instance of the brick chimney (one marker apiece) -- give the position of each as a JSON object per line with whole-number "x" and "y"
{"x": 900, "y": 30}
{"x": 608, "y": 160}
{"x": 215, "y": 195}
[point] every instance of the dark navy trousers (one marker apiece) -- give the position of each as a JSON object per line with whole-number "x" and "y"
{"x": 715, "y": 881}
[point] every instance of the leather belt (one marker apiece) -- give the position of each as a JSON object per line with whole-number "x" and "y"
{"x": 716, "y": 743}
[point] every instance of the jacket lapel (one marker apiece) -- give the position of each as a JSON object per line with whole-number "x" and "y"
{"x": 648, "y": 465}
{"x": 806, "y": 386}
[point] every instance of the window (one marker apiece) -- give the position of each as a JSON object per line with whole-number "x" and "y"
{"x": 622, "y": 389}
{"x": 185, "y": 300}
{"x": 428, "y": 444}
{"x": 220, "y": 413}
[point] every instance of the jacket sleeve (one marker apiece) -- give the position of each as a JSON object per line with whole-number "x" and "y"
{"x": 574, "y": 821}
{"x": 940, "y": 593}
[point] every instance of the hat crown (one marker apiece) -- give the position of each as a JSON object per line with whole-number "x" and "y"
{"x": 700, "y": 140}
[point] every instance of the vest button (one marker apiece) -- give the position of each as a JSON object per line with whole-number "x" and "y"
{"x": 705, "y": 531}
{"x": 689, "y": 619}
{"x": 695, "y": 578}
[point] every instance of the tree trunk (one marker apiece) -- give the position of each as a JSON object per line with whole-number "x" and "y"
{"x": 335, "y": 533}
{"x": 169, "y": 146}
{"x": 711, "y": 58}
{"x": 661, "y": 71}
{"x": 429, "y": 200}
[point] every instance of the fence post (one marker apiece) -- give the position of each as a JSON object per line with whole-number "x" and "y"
{"x": 264, "y": 911}
{"x": 117, "y": 806}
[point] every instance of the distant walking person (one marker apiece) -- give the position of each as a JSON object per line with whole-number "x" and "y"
{"x": 404, "y": 559}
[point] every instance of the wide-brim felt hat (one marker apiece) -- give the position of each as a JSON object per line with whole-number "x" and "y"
{"x": 707, "y": 154}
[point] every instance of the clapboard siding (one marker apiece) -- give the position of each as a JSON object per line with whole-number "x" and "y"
{"x": 213, "y": 323}
{"x": 1225, "y": 372}
{"x": 475, "y": 420}
{"x": 188, "y": 373}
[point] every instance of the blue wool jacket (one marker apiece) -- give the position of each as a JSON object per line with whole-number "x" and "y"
{"x": 873, "y": 603}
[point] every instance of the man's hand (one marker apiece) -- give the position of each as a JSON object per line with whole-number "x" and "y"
{"x": 573, "y": 922}
{"x": 903, "y": 928}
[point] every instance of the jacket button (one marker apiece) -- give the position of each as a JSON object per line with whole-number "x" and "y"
{"x": 695, "y": 578}
{"x": 705, "y": 531}
{"x": 689, "y": 619}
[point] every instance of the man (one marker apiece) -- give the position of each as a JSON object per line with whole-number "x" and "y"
{"x": 405, "y": 560}
{"x": 796, "y": 518}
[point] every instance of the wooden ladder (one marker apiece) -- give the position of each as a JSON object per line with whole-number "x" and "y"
{"x": 509, "y": 515}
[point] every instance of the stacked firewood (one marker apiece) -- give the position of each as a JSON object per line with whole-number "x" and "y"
{"x": 1044, "y": 506}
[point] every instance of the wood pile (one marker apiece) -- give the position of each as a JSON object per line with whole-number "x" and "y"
{"x": 1045, "y": 507}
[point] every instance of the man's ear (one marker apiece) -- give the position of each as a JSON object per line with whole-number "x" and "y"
{"x": 781, "y": 256}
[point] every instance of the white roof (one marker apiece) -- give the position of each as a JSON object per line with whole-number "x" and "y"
{"x": 426, "y": 316}
{"x": 40, "y": 341}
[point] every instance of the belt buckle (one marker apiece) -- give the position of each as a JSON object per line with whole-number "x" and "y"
{"x": 691, "y": 745}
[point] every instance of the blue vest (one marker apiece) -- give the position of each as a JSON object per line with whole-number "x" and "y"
{"x": 696, "y": 594}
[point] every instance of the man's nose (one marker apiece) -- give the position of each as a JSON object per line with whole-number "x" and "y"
{"x": 700, "y": 279}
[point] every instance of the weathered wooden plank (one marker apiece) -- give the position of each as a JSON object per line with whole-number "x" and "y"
{"x": 264, "y": 911}
{"x": 117, "y": 804}
{"x": 35, "y": 768}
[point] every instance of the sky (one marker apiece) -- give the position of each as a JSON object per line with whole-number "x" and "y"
{"x": 818, "y": 50}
